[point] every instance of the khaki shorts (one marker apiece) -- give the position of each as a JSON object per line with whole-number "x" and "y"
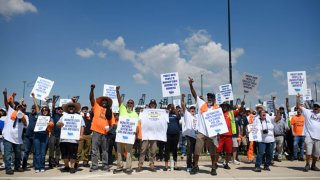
{"x": 244, "y": 141}
{"x": 201, "y": 140}
{"x": 235, "y": 142}
{"x": 313, "y": 146}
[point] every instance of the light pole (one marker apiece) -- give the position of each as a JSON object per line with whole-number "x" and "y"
{"x": 201, "y": 86}
{"x": 229, "y": 37}
{"x": 315, "y": 87}
{"x": 24, "y": 88}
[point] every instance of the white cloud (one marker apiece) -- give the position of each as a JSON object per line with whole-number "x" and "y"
{"x": 84, "y": 53}
{"x": 119, "y": 47}
{"x": 9, "y": 8}
{"x": 277, "y": 73}
{"x": 101, "y": 55}
{"x": 138, "y": 78}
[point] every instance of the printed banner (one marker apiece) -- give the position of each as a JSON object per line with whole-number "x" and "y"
{"x": 297, "y": 82}
{"x": 170, "y": 84}
{"x": 42, "y": 123}
{"x": 126, "y": 129}
{"x": 226, "y": 92}
{"x": 154, "y": 124}
{"x": 110, "y": 91}
{"x": 308, "y": 95}
{"x": 249, "y": 83}
{"x": 42, "y": 88}
{"x": 215, "y": 122}
{"x": 72, "y": 126}
{"x": 64, "y": 101}
{"x": 254, "y": 133}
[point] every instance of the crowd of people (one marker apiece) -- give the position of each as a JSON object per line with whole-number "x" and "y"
{"x": 295, "y": 136}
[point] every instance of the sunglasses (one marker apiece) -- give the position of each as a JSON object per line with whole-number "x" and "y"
{"x": 129, "y": 102}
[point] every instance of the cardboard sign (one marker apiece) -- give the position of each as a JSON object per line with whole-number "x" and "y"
{"x": 42, "y": 123}
{"x": 126, "y": 129}
{"x": 170, "y": 84}
{"x": 42, "y": 88}
{"x": 215, "y": 122}
{"x": 72, "y": 126}
{"x": 254, "y": 133}
{"x": 249, "y": 83}
{"x": 297, "y": 83}
{"x": 226, "y": 91}
{"x": 110, "y": 91}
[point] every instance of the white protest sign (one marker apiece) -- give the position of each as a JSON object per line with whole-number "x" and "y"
{"x": 154, "y": 124}
{"x": 219, "y": 98}
{"x": 64, "y": 101}
{"x": 249, "y": 83}
{"x": 42, "y": 123}
{"x": 42, "y": 88}
{"x": 269, "y": 105}
{"x": 126, "y": 129}
{"x": 170, "y": 84}
{"x": 308, "y": 95}
{"x": 215, "y": 122}
{"x": 110, "y": 91}
{"x": 254, "y": 133}
{"x": 177, "y": 102}
{"x": 297, "y": 82}
{"x": 226, "y": 91}
{"x": 72, "y": 126}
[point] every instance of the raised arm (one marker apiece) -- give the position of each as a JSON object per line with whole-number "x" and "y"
{"x": 54, "y": 99}
{"x": 298, "y": 101}
{"x": 273, "y": 104}
{"x": 287, "y": 104}
{"x": 183, "y": 104}
{"x": 193, "y": 92}
{"x": 91, "y": 96}
{"x": 35, "y": 103}
{"x": 118, "y": 95}
{"x": 5, "y": 98}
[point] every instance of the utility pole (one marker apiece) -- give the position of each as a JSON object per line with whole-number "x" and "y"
{"x": 201, "y": 85}
{"x": 315, "y": 87}
{"x": 24, "y": 88}
{"x": 229, "y": 37}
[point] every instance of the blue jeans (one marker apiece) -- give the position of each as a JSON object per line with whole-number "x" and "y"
{"x": 28, "y": 143}
{"x": 182, "y": 144}
{"x": 40, "y": 142}
{"x": 298, "y": 141}
{"x": 10, "y": 147}
{"x": 264, "y": 148}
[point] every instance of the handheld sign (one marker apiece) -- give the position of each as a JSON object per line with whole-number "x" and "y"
{"x": 308, "y": 95}
{"x": 110, "y": 91}
{"x": 177, "y": 102}
{"x": 249, "y": 83}
{"x": 215, "y": 122}
{"x": 64, "y": 101}
{"x": 297, "y": 82}
{"x": 42, "y": 88}
{"x": 72, "y": 126}
{"x": 170, "y": 84}
{"x": 126, "y": 129}
{"x": 254, "y": 133}
{"x": 226, "y": 91}
{"x": 42, "y": 123}
{"x": 219, "y": 98}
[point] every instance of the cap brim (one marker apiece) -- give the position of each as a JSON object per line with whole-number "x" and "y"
{"x": 99, "y": 100}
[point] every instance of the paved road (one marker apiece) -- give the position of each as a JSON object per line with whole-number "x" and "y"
{"x": 281, "y": 170}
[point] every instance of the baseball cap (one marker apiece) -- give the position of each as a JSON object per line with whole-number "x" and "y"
{"x": 153, "y": 101}
{"x": 212, "y": 95}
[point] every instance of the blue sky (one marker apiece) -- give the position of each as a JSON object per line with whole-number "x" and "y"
{"x": 130, "y": 43}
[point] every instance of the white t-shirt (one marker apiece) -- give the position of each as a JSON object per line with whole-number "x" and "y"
{"x": 10, "y": 133}
{"x": 72, "y": 140}
{"x": 263, "y": 125}
{"x": 311, "y": 124}
{"x": 189, "y": 124}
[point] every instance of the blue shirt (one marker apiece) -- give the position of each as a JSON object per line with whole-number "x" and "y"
{"x": 56, "y": 131}
{"x": 32, "y": 123}
{"x": 173, "y": 125}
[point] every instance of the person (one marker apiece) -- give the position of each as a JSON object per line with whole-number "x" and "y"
{"x": 126, "y": 112}
{"x": 40, "y": 138}
{"x": 54, "y": 137}
{"x": 243, "y": 124}
{"x": 266, "y": 146}
{"x": 311, "y": 131}
{"x": 15, "y": 121}
{"x": 84, "y": 146}
{"x": 69, "y": 147}
{"x": 297, "y": 123}
{"x": 112, "y": 145}
{"x": 3, "y": 114}
{"x": 102, "y": 122}
{"x": 250, "y": 117}
{"x": 189, "y": 129}
{"x": 202, "y": 136}
{"x": 148, "y": 144}
{"x": 173, "y": 133}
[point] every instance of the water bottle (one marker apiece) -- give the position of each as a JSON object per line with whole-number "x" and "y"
{"x": 171, "y": 164}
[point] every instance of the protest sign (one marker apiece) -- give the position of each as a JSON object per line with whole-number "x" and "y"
{"x": 126, "y": 129}
{"x": 308, "y": 95}
{"x": 42, "y": 88}
{"x": 110, "y": 91}
{"x": 170, "y": 84}
{"x": 219, "y": 98}
{"x": 64, "y": 101}
{"x": 254, "y": 133}
{"x": 154, "y": 124}
{"x": 297, "y": 82}
{"x": 249, "y": 83}
{"x": 215, "y": 122}
{"x": 269, "y": 105}
{"x": 72, "y": 126}
{"x": 42, "y": 123}
{"x": 226, "y": 92}
{"x": 177, "y": 102}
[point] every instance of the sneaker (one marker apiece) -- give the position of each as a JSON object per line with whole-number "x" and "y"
{"x": 257, "y": 169}
{"x": 65, "y": 169}
{"x": 165, "y": 169}
{"x": 19, "y": 169}
{"x": 307, "y": 168}
{"x": 266, "y": 168}
{"x": 226, "y": 166}
{"x": 128, "y": 171}
{"x": 153, "y": 169}
{"x": 301, "y": 159}
{"x": 236, "y": 162}
{"x": 118, "y": 170}
{"x": 10, "y": 172}
{"x": 189, "y": 169}
{"x": 106, "y": 168}
{"x": 37, "y": 171}
{"x": 194, "y": 170}
{"x": 2, "y": 166}
{"x": 213, "y": 172}
{"x": 93, "y": 169}
{"x": 176, "y": 169}
{"x": 72, "y": 170}
{"x": 315, "y": 168}
{"x": 42, "y": 170}
{"x": 139, "y": 169}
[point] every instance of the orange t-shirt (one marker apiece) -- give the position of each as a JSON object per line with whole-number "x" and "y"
{"x": 297, "y": 122}
{"x": 99, "y": 121}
